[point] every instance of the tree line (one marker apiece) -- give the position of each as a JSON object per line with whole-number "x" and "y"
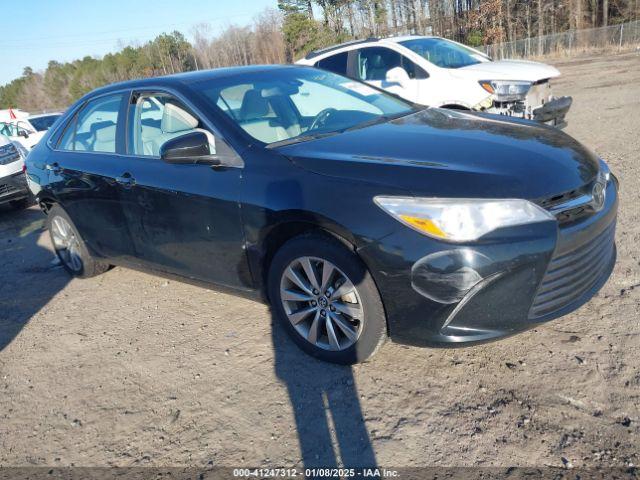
{"x": 295, "y": 27}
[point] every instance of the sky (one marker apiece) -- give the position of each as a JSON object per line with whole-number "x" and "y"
{"x": 37, "y": 31}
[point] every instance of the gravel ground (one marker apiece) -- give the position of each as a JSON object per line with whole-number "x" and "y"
{"x": 128, "y": 369}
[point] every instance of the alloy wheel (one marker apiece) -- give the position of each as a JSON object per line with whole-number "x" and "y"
{"x": 322, "y": 303}
{"x": 66, "y": 243}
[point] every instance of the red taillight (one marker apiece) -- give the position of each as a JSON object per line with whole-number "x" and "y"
{"x": 24, "y": 168}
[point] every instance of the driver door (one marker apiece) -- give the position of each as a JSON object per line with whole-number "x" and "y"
{"x": 184, "y": 219}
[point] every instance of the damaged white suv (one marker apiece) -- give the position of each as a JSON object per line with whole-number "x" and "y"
{"x": 437, "y": 72}
{"x": 13, "y": 184}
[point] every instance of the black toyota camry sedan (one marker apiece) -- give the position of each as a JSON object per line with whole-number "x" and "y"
{"x": 356, "y": 215}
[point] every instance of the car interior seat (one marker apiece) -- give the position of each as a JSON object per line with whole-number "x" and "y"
{"x": 176, "y": 121}
{"x": 103, "y": 137}
{"x": 258, "y": 120}
{"x": 376, "y": 68}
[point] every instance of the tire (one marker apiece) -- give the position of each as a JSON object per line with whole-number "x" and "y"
{"x": 21, "y": 204}
{"x": 352, "y": 340}
{"x": 69, "y": 247}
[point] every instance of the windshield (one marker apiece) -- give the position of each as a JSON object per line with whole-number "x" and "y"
{"x": 43, "y": 123}
{"x": 443, "y": 53}
{"x": 296, "y": 104}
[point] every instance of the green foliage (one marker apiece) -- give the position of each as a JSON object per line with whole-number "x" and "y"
{"x": 474, "y": 38}
{"x": 10, "y": 93}
{"x": 63, "y": 83}
{"x": 295, "y": 6}
{"x": 303, "y": 34}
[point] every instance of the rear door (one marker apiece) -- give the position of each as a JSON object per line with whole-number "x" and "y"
{"x": 83, "y": 174}
{"x": 185, "y": 219}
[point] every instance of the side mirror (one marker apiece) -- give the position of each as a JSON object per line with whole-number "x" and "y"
{"x": 189, "y": 148}
{"x": 23, "y": 133}
{"x": 398, "y": 75}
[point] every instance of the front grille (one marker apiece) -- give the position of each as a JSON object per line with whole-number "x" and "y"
{"x": 570, "y": 275}
{"x": 7, "y": 189}
{"x": 571, "y": 212}
{"x": 8, "y": 154}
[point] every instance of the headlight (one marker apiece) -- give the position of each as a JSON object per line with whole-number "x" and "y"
{"x": 506, "y": 90}
{"x": 461, "y": 219}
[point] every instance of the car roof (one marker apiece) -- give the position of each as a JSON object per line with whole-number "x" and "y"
{"x": 372, "y": 40}
{"x": 404, "y": 38}
{"x": 187, "y": 78}
{"x": 321, "y": 51}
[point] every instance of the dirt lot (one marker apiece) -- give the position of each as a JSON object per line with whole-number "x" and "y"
{"x": 129, "y": 369}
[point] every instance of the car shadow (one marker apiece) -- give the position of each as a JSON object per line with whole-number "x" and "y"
{"x": 30, "y": 275}
{"x": 326, "y": 406}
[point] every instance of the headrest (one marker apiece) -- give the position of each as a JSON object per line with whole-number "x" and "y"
{"x": 106, "y": 134}
{"x": 104, "y": 131}
{"x": 376, "y": 61}
{"x": 254, "y": 105}
{"x": 177, "y": 119}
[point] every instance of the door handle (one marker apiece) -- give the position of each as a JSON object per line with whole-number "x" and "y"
{"x": 126, "y": 180}
{"x": 53, "y": 167}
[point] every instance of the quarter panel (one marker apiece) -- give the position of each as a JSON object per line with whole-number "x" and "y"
{"x": 276, "y": 192}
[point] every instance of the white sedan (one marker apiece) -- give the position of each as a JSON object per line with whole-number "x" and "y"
{"x": 437, "y": 72}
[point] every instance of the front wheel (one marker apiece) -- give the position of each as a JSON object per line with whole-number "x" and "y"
{"x": 69, "y": 246}
{"x": 325, "y": 298}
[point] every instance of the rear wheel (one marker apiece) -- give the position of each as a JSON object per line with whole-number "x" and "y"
{"x": 326, "y": 299}
{"x": 69, "y": 246}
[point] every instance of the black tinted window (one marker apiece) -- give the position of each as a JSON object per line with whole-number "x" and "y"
{"x": 335, "y": 63}
{"x": 42, "y": 124}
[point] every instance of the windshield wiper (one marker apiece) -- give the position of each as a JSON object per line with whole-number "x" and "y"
{"x": 368, "y": 123}
{"x": 301, "y": 138}
{"x": 380, "y": 119}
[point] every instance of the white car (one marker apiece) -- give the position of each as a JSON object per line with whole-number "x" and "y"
{"x": 29, "y": 130}
{"x": 13, "y": 185}
{"x": 437, "y": 72}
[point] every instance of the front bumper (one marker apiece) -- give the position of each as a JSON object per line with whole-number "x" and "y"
{"x": 553, "y": 112}
{"x": 443, "y": 294}
{"x": 13, "y": 187}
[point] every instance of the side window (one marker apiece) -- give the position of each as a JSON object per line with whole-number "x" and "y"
{"x": 155, "y": 118}
{"x": 414, "y": 70}
{"x": 94, "y": 128}
{"x": 375, "y": 62}
{"x": 335, "y": 63}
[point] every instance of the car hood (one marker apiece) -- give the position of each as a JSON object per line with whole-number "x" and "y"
{"x": 508, "y": 70}
{"x": 447, "y": 153}
{"x": 30, "y": 142}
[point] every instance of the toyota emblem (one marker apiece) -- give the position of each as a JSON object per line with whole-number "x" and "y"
{"x": 597, "y": 196}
